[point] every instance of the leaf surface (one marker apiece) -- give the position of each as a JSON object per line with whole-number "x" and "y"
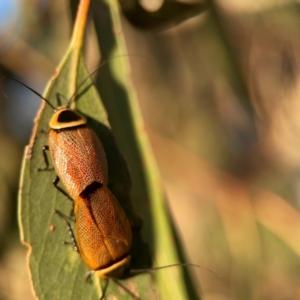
{"x": 57, "y": 271}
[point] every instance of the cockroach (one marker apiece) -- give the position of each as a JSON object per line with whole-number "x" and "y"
{"x": 103, "y": 232}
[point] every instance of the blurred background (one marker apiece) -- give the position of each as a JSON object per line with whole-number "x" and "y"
{"x": 220, "y": 95}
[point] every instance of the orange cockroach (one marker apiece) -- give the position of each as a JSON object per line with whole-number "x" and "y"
{"x": 103, "y": 232}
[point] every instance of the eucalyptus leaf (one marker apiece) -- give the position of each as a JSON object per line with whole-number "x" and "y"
{"x": 120, "y": 99}
{"x": 57, "y": 270}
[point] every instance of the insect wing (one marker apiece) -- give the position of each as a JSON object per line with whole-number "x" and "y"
{"x": 102, "y": 229}
{"x": 78, "y": 157}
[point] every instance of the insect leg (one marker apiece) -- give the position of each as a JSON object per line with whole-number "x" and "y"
{"x": 70, "y": 230}
{"x": 88, "y": 275}
{"x": 105, "y": 288}
{"x": 55, "y": 183}
{"x": 46, "y": 168}
{"x": 42, "y": 131}
{"x": 126, "y": 289}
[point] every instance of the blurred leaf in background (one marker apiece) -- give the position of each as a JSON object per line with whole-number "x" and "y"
{"x": 219, "y": 97}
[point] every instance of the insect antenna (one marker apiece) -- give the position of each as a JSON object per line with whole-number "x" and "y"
{"x": 29, "y": 88}
{"x": 95, "y": 71}
{"x": 139, "y": 271}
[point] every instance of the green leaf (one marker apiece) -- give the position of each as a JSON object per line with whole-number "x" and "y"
{"x": 119, "y": 97}
{"x": 57, "y": 271}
